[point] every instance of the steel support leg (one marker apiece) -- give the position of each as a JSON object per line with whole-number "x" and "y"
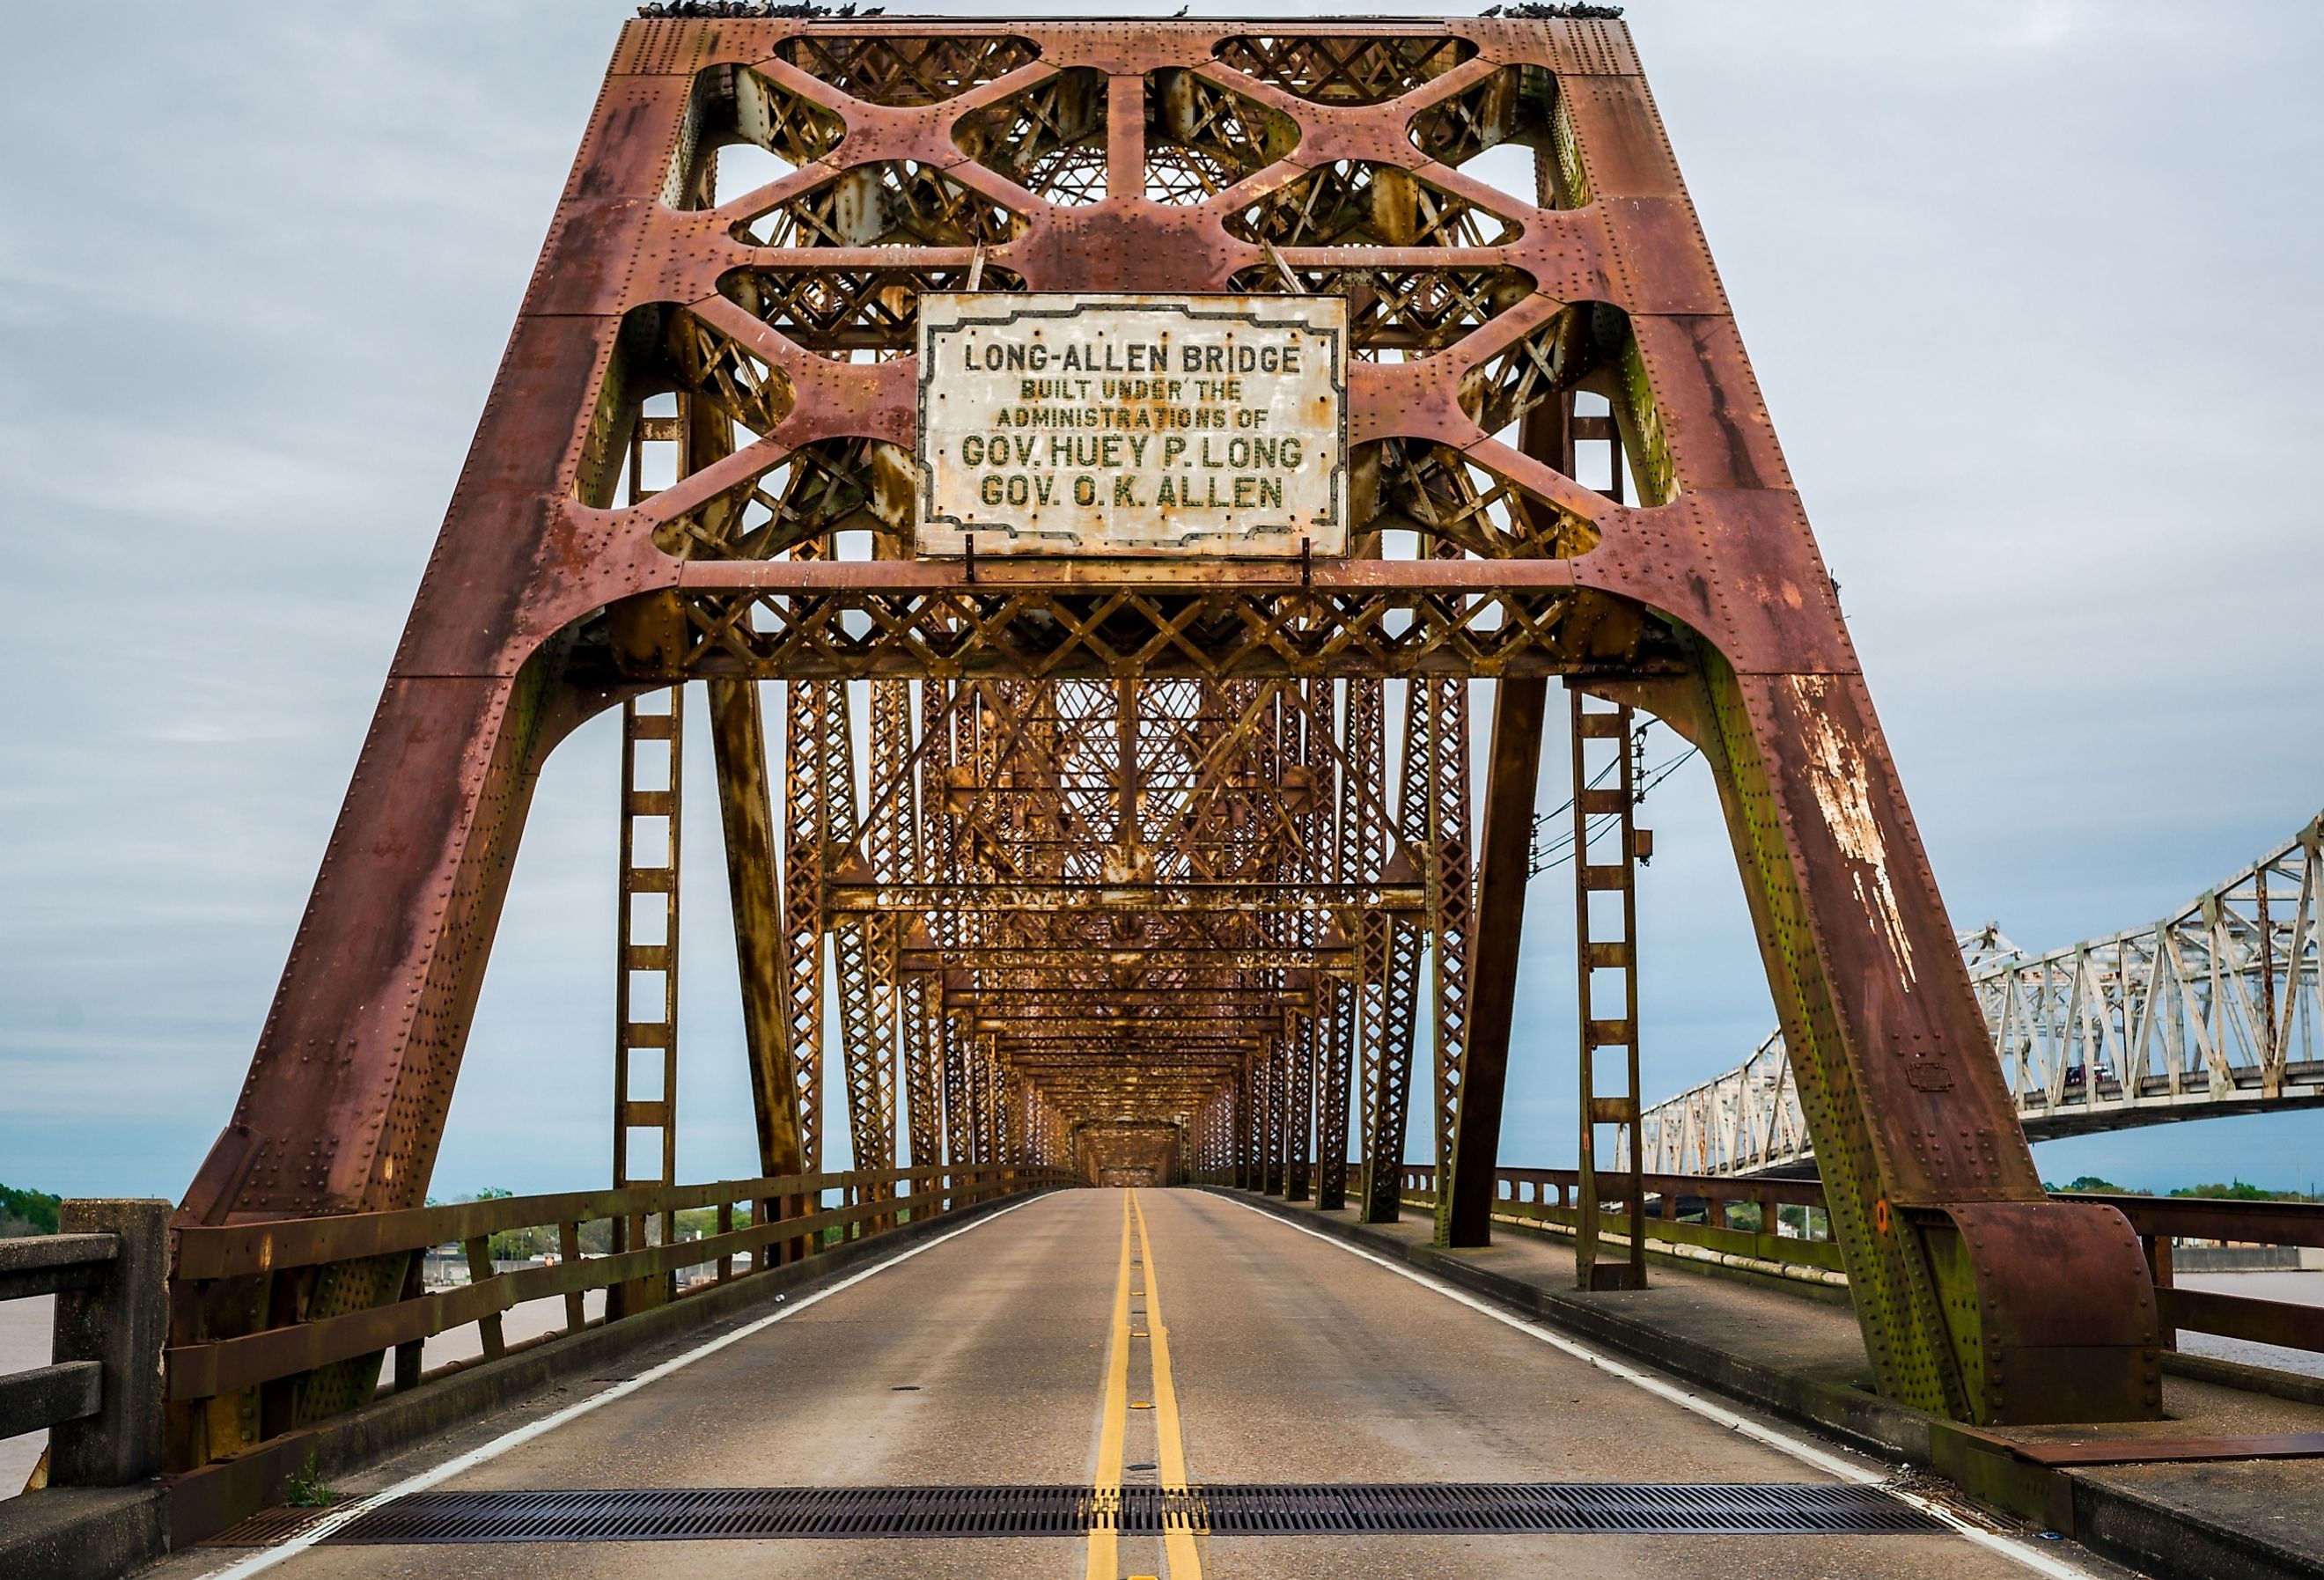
{"x": 1386, "y": 1122}
{"x": 1979, "y": 1296}
{"x": 1451, "y": 906}
{"x": 1297, "y": 1173}
{"x": 805, "y": 833}
{"x": 1364, "y": 852}
{"x": 1335, "y": 1032}
{"x": 960, "y": 1127}
{"x": 1270, "y": 1122}
{"x": 745, "y": 806}
{"x": 867, "y": 1039}
{"x": 1246, "y": 1127}
{"x": 1466, "y": 1183}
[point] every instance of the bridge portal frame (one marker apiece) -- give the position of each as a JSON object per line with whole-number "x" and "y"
{"x": 1706, "y": 602}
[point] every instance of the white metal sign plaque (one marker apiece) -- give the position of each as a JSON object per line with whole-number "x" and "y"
{"x": 1202, "y": 425}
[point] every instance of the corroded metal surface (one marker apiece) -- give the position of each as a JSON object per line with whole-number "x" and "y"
{"x": 1087, "y": 873}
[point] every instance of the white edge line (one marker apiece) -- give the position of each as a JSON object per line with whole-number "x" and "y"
{"x": 2040, "y": 1562}
{"x": 267, "y": 1557}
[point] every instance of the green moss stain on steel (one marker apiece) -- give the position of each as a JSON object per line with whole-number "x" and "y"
{"x": 1911, "y": 1345}
{"x": 1643, "y": 437}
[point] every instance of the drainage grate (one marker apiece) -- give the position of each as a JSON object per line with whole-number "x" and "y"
{"x": 266, "y": 1528}
{"x": 1452, "y": 1509}
{"x": 750, "y": 1514}
{"x": 1748, "y": 1509}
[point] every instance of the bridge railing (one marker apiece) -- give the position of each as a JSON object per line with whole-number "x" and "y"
{"x": 788, "y": 1218}
{"x": 1778, "y": 1222}
{"x": 1770, "y": 1220}
{"x": 97, "y": 1397}
{"x": 1781, "y": 1225}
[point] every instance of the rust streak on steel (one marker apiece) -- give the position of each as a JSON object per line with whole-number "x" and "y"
{"x": 1128, "y": 853}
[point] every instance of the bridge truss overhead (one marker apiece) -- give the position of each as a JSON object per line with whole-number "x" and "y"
{"x": 1118, "y": 842}
{"x": 2215, "y": 1010}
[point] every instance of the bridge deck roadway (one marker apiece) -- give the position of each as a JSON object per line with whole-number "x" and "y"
{"x": 985, "y": 1358}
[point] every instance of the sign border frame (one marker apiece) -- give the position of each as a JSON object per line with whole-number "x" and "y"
{"x": 1188, "y": 307}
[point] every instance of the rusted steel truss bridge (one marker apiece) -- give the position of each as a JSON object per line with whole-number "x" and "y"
{"x": 1098, "y": 862}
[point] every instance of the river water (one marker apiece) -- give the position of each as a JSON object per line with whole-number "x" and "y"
{"x": 2305, "y": 1288}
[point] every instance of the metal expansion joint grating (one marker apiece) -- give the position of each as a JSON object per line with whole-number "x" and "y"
{"x": 1450, "y": 1508}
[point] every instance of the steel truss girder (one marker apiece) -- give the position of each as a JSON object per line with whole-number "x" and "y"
{"x": 1244, "y": 899}
{"x": 1001, "y": 958}
{"x": 2217, "y": 1009}
{"x": 1450, "y": 629}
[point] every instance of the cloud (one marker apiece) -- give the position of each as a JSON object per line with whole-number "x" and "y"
{"x": 2028, "y": 287}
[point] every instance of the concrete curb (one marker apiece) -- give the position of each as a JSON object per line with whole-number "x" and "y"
{"x": 2146, "y": 1534}
{"x": 82, "y": 1533}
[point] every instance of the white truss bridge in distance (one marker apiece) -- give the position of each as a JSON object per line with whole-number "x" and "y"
{"x": 2211, "y": 1011}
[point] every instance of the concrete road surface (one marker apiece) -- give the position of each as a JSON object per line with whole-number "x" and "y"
{"x": 1079, "y": 1339}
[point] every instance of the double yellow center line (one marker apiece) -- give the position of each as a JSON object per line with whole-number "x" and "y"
{"x": 1170, "y": 1456}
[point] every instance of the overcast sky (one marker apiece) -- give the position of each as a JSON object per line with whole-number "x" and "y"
{"x": 2031, "y": 287}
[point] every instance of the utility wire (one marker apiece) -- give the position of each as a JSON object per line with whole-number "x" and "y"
{"x": 1552, "y": 848}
